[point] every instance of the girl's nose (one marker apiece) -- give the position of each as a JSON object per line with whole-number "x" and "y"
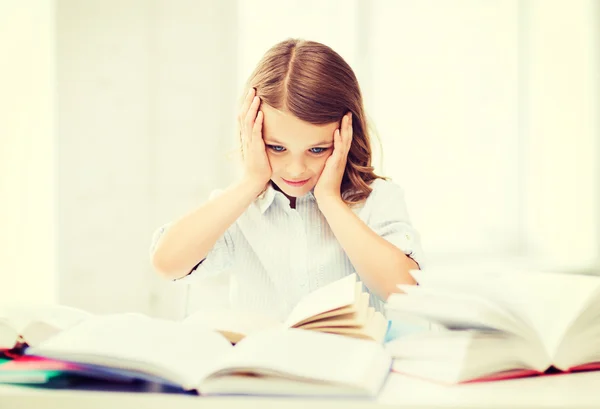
{"x": 296, "y": 168}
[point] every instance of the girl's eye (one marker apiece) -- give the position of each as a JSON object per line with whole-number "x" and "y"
{"x": 317, "y": 150}
{"x": 276, "y": 148}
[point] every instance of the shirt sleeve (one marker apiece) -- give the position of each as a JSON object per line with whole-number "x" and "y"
{"x": 218, "y": 259}
{"x": 388, "y": 217}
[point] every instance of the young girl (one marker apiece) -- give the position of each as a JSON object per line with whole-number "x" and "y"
{"x": 308, "y": 210}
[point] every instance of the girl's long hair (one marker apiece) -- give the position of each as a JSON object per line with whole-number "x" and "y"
{"x": 315, "y": 84}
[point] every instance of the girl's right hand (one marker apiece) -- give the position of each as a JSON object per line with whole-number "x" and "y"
{"x": 257, "y": 168}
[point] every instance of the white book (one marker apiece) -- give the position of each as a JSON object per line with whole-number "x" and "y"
{"x": 273, "y": 361}
{"x": 340, "y": 307}
{"x": 497, "y": 325}
{"x": 30, "y": 324}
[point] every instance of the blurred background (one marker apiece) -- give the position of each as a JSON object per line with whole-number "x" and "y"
{"x": 117, "y": 116}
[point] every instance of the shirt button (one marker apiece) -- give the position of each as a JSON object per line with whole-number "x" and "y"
{"x": 407, "y": 236}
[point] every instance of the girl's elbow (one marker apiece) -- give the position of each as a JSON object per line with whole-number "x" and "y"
{"x": 402, "y": 277}
{"x": 163, "y": 265}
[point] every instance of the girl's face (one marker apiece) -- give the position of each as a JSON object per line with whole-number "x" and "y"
{"x": 296, "y": 150}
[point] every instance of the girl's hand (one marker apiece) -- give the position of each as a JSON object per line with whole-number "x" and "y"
{"x": 257, "y": 168}
{"x": 329, "y": 183}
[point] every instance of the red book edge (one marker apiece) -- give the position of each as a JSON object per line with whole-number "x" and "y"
{"x": 34, "y": 363}
{"x": 514, "y": 374}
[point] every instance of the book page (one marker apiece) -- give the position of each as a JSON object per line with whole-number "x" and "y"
{"x": 248, "y": 384}
{"x": 8, "y": 335}
{"x": 344, "y": 320}
{"x": 548, "y": 303}
{"x": 456, "y": 305}
{"x": 580, "y": 346}
{"x": 377, "y": 325}
{"x": 375, "y": 328}
{"x": 310, "y": 356}
{"x": 338, "y": 294}
{"x": 357, "y": 318}
{"x": 456, "y": 356}
{"x": 231, "y": 321}
{"x": 452, "y": 310}
{"x": 36, "y": 322}
{"x": 59, "y": 316}
{"x": 182, "y": 354}
{"x": 552, "y": 302}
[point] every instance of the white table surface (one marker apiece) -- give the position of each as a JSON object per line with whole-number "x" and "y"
{"x": 579, "y": 390}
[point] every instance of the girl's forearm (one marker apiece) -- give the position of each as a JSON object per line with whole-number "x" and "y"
{"x": 188, "y": 240}
{"x": 380, "y": 264}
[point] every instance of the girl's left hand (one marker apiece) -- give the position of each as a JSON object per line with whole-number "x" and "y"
{"x": 329, "y": 183}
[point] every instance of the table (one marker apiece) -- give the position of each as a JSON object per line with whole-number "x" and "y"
{"x": 578, "y": 390}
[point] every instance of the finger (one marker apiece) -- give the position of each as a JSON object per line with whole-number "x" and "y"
{"x": 350, "y": 133}
{"x": 345, "y": 133}
{"x": 245, "y": 106}
{"x": 346, "y": 123}
{"x": 350, "y": 125}
{"x": 258, "y": 124}
{"x": 343, "y": 123}
{"x": 251, "y": 115}
{"x": 244, "y": 140}
{"x": 242, "y": 114}
{"x": 337, "y": 143}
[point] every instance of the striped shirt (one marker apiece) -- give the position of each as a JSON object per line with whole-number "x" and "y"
{"x": 276, "y": 255}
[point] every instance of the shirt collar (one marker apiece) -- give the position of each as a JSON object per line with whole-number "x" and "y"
{"x": 266, "y": 198}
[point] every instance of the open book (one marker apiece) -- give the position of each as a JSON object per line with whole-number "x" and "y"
{"x": 340, "y": 307}
{"x": 31, "y": 324}
{"x": 497, "y": 326}
{"x": 273, "y": 362}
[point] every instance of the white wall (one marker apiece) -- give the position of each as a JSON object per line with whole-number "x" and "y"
{"x": 562, "y": 107}
{"x": 27, "y": 151}
{"x": 144, "y": 88}
{"x": 308, "y": 19}
{"x": 488, "y": 110}
{"x": 444, "y": 97}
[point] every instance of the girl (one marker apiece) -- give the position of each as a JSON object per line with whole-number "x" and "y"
{"x": 308, "y": 210}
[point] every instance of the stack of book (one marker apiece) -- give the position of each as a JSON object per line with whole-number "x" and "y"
{"x": 497, "y": 325}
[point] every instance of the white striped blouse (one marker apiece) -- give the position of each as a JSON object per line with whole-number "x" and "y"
{"x": 276, "y": 255}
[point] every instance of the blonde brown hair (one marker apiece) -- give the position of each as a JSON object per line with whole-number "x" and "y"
{"x": 316, "y": 85}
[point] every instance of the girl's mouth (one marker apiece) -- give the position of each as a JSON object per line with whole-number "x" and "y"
{"x": 295, "y": 183}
